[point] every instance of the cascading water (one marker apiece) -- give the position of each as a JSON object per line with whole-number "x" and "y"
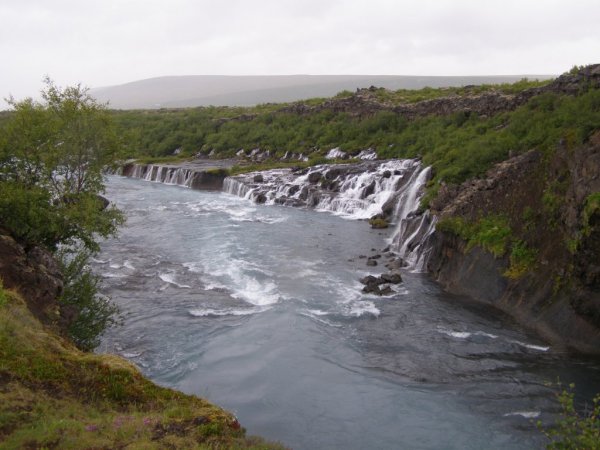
{"x": 179, "y": 176}
{"x": 392, "y": 188}
{"x": 414, "y": 227}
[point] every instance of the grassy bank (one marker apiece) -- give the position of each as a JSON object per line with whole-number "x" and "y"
{"x": 55, "y": 396}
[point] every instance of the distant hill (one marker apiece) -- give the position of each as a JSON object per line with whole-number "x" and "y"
{"x": 222, "y": 90}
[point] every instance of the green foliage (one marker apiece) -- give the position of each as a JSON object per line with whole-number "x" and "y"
{"x": 494, "y": 234}
{"x": 522, "y": 260}
{"x": 458, "y": 146}
{"x": 591, "y": 207}
{"x": 51, "y": 159}
{"x": 3, "y": 295}
{"x": 575, "y": 430}
{"x": 93, "y": 312}
{"x": 490, "y": 232}
{"x": 417, "y": 95}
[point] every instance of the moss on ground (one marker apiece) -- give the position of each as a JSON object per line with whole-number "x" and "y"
{"x": 54, "y": 396}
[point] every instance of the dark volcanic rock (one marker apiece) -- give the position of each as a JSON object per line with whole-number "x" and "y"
{"x": 386, "y": 291}
{"x": 369, "y": 190}
{"x": 35, "y": 274}
{"x": 314, "y": 177}
{"x": 258, "y": 178}
{"x": 559, "y": 295}
{"x": 371, "y": 262}
{"x": 260, "y": 198}
{"x": 393, "y": 278}
{"x": 369, "y": 279}
{"x": 365, "y": 103}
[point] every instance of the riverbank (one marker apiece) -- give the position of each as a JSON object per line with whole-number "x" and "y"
{"x": 53, "y": 395}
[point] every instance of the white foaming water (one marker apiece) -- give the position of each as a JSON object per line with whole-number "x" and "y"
{"x": 358, "y": 309}
{"x": 354, "y": 192}
{"x": 252, "y": 291}
{"x": 222, "y": 271}
{"x": 178, "y": 176}
{"x": 208, "y": 312}
{"x": 524, "y": 414}
{"x": 465, "y": 334}
{"x": 170, "y": 278}
{"x": 412, "y": 230}
{"x": 539, "y": 348}
{"x": 335, "y": 153}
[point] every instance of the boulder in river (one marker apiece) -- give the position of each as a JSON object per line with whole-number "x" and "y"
{"x": 393, "y": 278}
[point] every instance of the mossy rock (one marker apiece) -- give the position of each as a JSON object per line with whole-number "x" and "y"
{"x": 378, "y": 223}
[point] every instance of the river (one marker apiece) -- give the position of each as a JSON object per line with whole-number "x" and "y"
{"x": 259, "y": 309}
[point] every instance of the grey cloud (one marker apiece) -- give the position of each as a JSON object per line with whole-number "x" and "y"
{"x": 115, "y": 41}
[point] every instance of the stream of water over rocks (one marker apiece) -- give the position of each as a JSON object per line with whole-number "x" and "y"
{"x": 258, "y": 308}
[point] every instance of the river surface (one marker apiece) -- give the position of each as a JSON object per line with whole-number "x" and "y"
{"x": 259, "y": 309}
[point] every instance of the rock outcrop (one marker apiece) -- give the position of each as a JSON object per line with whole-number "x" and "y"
{"x": 365, "y": 102}
{"x": 35, "y": 274}
{"x": 544, "y": 200}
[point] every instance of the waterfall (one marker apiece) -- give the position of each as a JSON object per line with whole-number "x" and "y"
{"x": 414, "y": 228}
{"x": 392, "y": 188}
{"x": 235, "y": 187}
{"x": 179, "y": 176}
{"x": 363, "y": 195}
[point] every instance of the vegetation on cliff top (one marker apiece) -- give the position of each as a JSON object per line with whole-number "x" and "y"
{"x": 459, "y": 146}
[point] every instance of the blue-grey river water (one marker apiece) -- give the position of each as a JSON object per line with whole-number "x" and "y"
{"x": 259, "y": 309}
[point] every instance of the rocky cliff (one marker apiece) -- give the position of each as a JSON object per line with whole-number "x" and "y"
{"x": 547, "y": 205}
{"x": 35, "y": 274}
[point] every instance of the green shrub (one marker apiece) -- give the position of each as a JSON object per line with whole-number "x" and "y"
{"x": 3, "y": 296}
{"x": 459, "y": 146}
{"x": 93, "y": 312}
{"x": 591, "y": 207}
{"x": 575, "y": 430}
{"x": 490, "y": 232}
{"x": 522, "y": 260}
{"x": 52, "y": 154}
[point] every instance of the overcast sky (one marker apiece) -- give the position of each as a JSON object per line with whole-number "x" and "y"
{"x": 100, "y": 43}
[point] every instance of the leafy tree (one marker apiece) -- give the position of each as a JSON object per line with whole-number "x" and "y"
{"x": 52, "y": 154}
